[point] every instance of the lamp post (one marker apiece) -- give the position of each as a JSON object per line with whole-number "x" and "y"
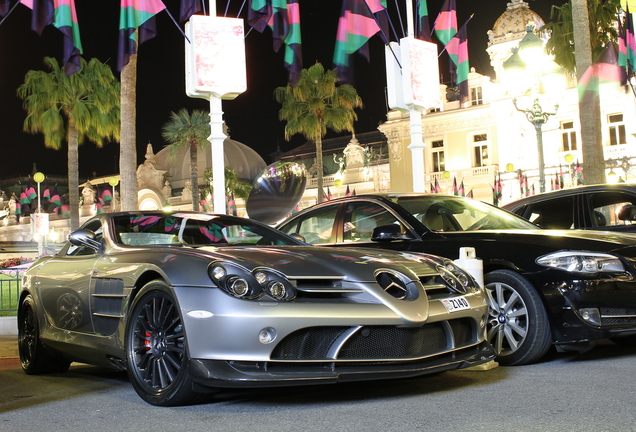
{"x": 41, "y": 220}
{"x": 529, "y": 76}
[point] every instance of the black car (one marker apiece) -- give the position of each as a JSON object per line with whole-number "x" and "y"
{"x": 568, "y": 288}
{"x": 607, "y": 207}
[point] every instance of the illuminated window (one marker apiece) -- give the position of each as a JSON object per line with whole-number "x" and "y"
{"x": 568, "y": 136}
{"x": 476, "y": 97}
{"x": 437, "y": 153}
{"x": 616, "y": 129}
{"x": 480, "y": 145}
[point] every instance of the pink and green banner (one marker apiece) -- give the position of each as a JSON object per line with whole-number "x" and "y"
{"x": 423, "y": 27}
{"x": 359, "y": 21}
{"x": 61, "y": 14}
{"x": 446, "y": 23}
{"x": 133, "y": 15}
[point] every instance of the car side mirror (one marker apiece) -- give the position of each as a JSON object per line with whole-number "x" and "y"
{"x": 84, "y": 237}
{"x": 388, "y": 232}
{"x": 298, "y": 237}
{"x": 627, "y": 213}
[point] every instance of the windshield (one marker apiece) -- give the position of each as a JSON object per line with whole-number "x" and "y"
{"x": 447, "y": 213}
{"x": 194, "y": 229}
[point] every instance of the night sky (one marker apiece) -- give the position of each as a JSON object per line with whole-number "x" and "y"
{"x": 252, "y": 117}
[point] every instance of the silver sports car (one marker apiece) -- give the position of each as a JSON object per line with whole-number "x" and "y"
{"x": 191, "y": 302}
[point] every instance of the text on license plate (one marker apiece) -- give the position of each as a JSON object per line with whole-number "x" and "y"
{"x": 456, "y": 304}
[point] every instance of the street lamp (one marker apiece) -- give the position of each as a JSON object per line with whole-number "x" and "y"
{"x": 529, "y": 75}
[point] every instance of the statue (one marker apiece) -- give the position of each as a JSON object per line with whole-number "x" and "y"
{"x": 167, "y": 189}
{"x": 88, "y": 193}
{"x": 355, "y": 154}
{"x": 186, "y": 193}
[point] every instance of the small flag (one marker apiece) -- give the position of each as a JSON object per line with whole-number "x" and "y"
{"x": 329, "y": 197}
{"x": 432, "y": 188}
{"x": 107, "y": 196}
{"x": 25, "y": 203}
{"x": 461, "y": 189}
{"x": 446, "y": 23}
{"x": 46, "y": 195}
{"x": 231, "y": 206}
{"x": 65, "y": 209}
{"x": 136, "y": 14}
{"x": 31, "y": 194}
{"x": 470, "y": 194}
{"x": 55, "y": 202}
{"x": 357, "y": 24}
{"x": 99, "y": 204}
{"x": 423, "y": 27}
{"x": 348, "y": 193}
{"x": 578, "y": 173}
{"x": 604, "y": 70}
{"x": 437, "y": 188}
{"x": 455, "y": 189}
{"x": 204, "y": 206}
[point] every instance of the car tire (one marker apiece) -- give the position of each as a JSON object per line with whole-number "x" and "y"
{"x": 156, "y": 348}
{"x": 518, "y": 324}
{"x": 35, "y": 358}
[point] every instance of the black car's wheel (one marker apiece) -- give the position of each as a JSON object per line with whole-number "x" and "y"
{"x": 34, "y": 356}
{"x": 157, "y": 358}
{"x": 518, "y": 326}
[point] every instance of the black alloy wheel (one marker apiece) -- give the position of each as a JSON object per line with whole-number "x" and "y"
{"x": 34, "y": 357}
{"x": 518, "y": 325}
{"x": 156, "y": 348}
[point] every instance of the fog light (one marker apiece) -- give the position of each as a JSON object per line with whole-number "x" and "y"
{"x": 591, "y": 315}
{"x": 267, "y": 335}
{"x": 277, "y": 290}
{"x": 239, "y": 287}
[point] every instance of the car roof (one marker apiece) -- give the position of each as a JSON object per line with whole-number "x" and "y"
{"x": 628, "y": 187}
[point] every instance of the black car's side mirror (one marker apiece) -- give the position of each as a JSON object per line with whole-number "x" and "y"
{"x": 627, "y": 213}
{"x": 84, "y": 237}
{"x": 387, "y": 233}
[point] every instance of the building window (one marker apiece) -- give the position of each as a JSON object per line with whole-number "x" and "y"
{"x": 476, "y": 97}
{"x": 568, "y": 136}
{"x": 616, "y": 129}
{"x": 437, "y": 153}
{"x": 480, "y": 143}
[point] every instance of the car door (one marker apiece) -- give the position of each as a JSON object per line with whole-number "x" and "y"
{"x": 64, "y": 285}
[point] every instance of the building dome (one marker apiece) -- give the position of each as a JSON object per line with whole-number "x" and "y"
{"x": 511, "y": 25}
{"x": 241, "y": 159}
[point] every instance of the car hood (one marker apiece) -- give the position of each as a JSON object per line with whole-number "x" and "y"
{"x": 312, "y": 261}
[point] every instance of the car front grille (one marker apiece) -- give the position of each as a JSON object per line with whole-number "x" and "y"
{"x": 618, "y": 316}
{"x": 375, "y": 342}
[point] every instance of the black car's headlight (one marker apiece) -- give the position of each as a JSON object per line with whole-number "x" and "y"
{"x": 582, "y": 262}
{"x": 457, "y": 279}
{"x": 242, "y": 283}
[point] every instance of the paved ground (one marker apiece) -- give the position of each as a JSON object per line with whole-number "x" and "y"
{"x": 9, "y": 352}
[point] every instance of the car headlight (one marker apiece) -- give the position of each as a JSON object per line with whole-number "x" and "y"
{"x": 582, "y": 262}
{"x": 243, "y": 283}
{"x": 457, "y": 279}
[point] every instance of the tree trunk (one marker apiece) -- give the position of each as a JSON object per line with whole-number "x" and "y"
{"x": 194, "y": 175}
{"x": 590, "y": 113}
{"x": 319, "y": 169}
{"x": 73, "y": 174}
{"x": 128, "y": 136}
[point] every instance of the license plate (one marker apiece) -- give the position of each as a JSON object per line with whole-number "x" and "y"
{"x": 456, "y": 304}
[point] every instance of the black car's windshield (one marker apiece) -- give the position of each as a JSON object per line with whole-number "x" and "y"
{"x": 194, "y": 229}
{"x": 447, "y": 213}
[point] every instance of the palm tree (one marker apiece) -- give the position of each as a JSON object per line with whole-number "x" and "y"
{"x": 581, "y": 30}
{"x": 128, "y": 143}
{"x": 184, "y": 130}
{"x": 233, "y": 185}
{"x": 74, "y": 108}
{"x": 315, "y": 104}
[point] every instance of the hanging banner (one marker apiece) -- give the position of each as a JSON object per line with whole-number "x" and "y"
{"x": 215, "y": 57}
